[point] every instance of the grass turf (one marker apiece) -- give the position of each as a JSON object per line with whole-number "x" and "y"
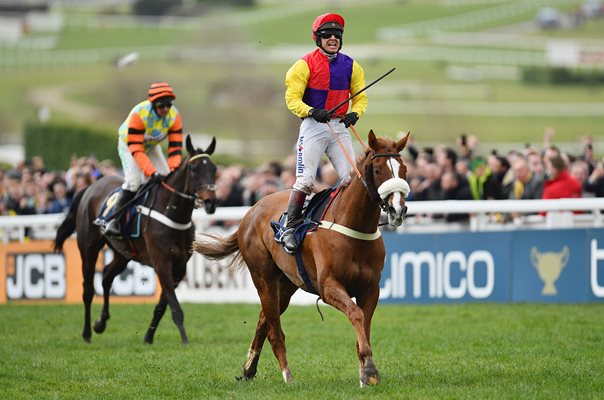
{"x": 439, "y": 351}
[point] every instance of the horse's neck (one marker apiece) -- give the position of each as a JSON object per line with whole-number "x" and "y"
{"x": 356, "y": 210}
{"x": 171, "y": 204}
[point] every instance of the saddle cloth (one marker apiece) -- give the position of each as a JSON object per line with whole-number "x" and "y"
{"x": 131, "y": 226}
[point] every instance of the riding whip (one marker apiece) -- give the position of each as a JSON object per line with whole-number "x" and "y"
{"x": 360, "y": 91}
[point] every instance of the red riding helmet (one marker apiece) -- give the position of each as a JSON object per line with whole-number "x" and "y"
{"x": 160, "y": 89}
{"x": 327, "y": 21}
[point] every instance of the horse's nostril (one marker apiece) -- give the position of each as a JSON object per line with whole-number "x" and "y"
{"x": 405, "y": 210}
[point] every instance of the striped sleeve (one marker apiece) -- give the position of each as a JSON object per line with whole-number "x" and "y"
{"x": 296, "y": 80}
{"x": 357, "y": 83}
{"x": 136, "y": 138}
{"x": 175, "y": 143}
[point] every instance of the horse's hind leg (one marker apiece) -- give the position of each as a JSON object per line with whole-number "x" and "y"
{"x": 287, "y": 289}
{"x": 335, "y": 295}
{"x": 89, "y": 254}
{"x": 253, "y": 354}
{"x": 111, "y": 270}
{"x": 275, "y": 293}
{"x": 88, "y": 275}
{"x": 158, "y": 313}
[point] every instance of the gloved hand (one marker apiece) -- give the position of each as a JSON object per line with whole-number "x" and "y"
{"x": 350, "y": 119}
{"x": 319, "y": 114}
{"x": 156, "y": 177}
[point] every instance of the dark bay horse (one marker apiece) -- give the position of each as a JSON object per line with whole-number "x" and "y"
{"x": 164, "y": 242}
{"x": 344, "y": 258}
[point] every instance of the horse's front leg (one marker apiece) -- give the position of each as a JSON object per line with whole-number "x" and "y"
{"x": 166, "y": 280}
{"x": 368, "y": 302}
{"x": 158, "y": 313}
{"x": 335, "y": 295}
{"x": 111, "y": 270}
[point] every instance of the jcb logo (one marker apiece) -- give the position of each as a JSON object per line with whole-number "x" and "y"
{"x": 35, "y": 276}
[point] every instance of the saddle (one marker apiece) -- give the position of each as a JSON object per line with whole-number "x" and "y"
{"x": 312, "y": 213}
{"x": 131, "y": 226}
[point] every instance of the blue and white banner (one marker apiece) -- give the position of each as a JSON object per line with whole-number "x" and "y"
{"x": 559, "y": 266}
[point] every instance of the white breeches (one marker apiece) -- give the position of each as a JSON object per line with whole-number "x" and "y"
{"x": 316, "y": 139}
{"x": 133, "y": 175}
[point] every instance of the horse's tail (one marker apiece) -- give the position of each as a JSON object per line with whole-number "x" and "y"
{"x": 68, "y": 225}
{"x": 216, "y": 247}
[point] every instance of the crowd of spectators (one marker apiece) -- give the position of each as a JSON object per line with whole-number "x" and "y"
{"x": 30, "y": 188}
{"x": 441, "y": 172}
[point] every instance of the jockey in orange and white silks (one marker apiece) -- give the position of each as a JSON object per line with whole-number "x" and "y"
{"x": 315, "y": 84}
{"x": 147, "y": 125}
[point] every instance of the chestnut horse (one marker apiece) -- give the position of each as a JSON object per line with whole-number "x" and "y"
{"x": 164, "y": 242}
{"x": 344, "y": 258}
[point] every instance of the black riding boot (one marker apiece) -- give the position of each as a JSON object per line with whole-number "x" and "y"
{"x": 294, "y": 218}
{"x": 113, "y": 227}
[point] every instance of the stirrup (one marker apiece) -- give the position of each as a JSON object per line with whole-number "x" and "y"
{"x": 112, "y": 228}
{"x": 100, "y": 222}
{"x": 291, "y": 231}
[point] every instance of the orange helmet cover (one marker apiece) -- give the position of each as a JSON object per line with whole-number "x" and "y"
{"x": 160, "y": 89}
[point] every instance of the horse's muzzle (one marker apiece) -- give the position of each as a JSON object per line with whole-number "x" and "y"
{"x": 396, "y": 218}
{"x": 210, "y": 205}
{"x": 207, "y": 199}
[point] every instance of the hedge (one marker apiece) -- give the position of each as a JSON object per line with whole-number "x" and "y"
{"x": 57, "y": 143}
{"x": 562, "y": 76}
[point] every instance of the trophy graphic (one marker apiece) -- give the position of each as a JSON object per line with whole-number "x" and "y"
{"x": 549, "y": 266}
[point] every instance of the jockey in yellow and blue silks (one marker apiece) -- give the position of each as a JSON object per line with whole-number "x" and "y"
{"x": 148, "y": 124}
{"x": 315, "y": 84}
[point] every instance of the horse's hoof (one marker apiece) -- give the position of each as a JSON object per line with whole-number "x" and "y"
{"x": 86, "y": 339}
{"x": 243, "y": 378}
{"x": 372, "y": 380}
{"x": 99, "y": 326}
{"x": 148, "y": 340}
{"x": 287, "y": 376}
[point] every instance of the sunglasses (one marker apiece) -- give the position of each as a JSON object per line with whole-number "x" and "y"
{"x": 164, "y": 105}
{"x": 329, "y": 33}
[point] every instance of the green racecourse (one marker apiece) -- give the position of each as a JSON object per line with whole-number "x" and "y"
{"x": 465, "y": 351}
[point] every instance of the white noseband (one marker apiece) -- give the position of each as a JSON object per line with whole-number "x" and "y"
{"x": 393, "y": 185}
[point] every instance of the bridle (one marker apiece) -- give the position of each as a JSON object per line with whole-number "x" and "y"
{"x": 211, "y": 187}
{"x": 393, "y": 184}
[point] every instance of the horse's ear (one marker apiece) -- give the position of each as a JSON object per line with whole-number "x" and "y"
{"x": 372, "y": 140}
{"x": 190, "y": 147}
{"x": 400, "y": 145}
{"x": 211, "y": 147}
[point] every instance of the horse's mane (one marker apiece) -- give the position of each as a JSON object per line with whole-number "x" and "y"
{"x": 361, "y": 159}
